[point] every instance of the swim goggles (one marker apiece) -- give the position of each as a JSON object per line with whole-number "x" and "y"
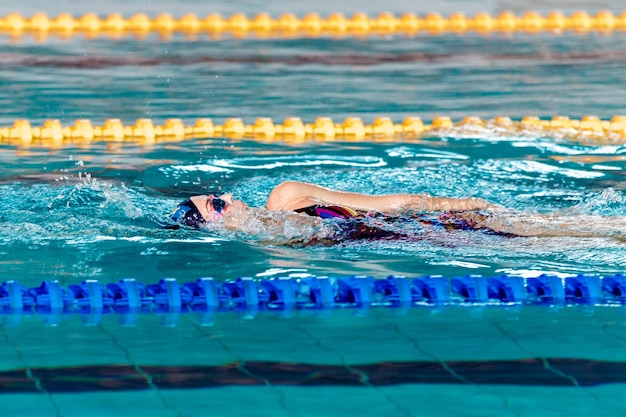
{"x": 187, "y": 212}
{"x": 218, "y": 204}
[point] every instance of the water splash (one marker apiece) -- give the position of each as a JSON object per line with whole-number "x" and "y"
{"x": 608, "y": 202}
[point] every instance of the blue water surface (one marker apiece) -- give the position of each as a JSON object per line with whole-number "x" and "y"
{"x": 93, "y": 211}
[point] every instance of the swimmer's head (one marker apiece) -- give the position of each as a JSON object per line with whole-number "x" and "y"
{"x": 187, "y": 213}
{"x": 201, "y": 209}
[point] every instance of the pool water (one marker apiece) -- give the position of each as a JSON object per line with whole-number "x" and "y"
{"x": 94, "y": 212}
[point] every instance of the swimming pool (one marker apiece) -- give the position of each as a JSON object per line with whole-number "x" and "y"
{"x": 91, "y": 211}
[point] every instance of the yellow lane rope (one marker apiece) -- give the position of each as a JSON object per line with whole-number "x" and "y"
{"x": 53, "y": 134}
{"x": 311, "y": 24}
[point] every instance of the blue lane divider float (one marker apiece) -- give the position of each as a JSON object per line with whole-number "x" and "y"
{"x": 129, "y": 297}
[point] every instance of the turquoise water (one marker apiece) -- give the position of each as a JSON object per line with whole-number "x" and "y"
{"x": 92, "y": 212}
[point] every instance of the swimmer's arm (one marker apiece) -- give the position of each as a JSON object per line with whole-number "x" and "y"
{"x": 427, "y": 202}
{"x": 292, "y": 195}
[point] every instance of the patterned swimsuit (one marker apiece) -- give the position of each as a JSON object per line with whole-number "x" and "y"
{"x": 356, "y": 225}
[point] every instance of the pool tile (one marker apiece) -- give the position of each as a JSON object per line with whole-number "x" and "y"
{"x": 69, "y": 343}
{"x": 529, "y": 401}
{"x": 268, "y": 338}
{"x": 456, "y": 334}
{"x": 569, "y": 332}
{"x": 148, "y": 342}
{"x": 443, "y": 400}
{"x": 340, "y": 401}
{"x": 147, "y": 403}
{"x": 27, "y": 405}
{"x": 9, "y": 355}
{"x": 232, "y": 401}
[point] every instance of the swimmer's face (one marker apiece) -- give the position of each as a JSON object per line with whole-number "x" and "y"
{"x": 207, "y": 207}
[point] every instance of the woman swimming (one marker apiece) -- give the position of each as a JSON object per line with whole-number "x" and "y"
{"x": 297, "y": 212}
{"x": 312, "y": 199}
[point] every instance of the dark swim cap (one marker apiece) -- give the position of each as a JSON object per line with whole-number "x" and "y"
{"x": 187, "y": 213}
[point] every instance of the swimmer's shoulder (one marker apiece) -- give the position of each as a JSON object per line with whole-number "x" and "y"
{"x": 291, "y": 195}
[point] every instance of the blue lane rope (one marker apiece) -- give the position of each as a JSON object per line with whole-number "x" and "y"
{"x": 206, "y": 295}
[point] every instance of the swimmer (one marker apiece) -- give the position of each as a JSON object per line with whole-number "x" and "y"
{"x": 316, "y": 201}
{"x": 301, "y": 209}
{"x": 295, "y": 214}
{"x": 300, "y": 196}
